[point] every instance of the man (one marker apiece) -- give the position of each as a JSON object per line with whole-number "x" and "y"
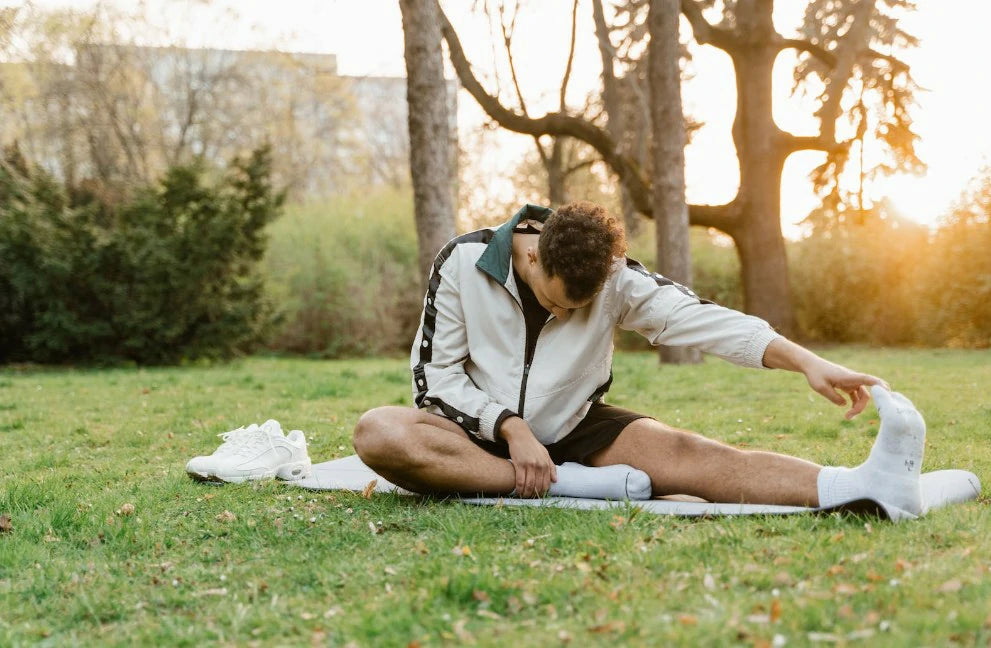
{"x": 513, "y": 356}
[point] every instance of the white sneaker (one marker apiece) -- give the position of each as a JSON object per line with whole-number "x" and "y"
{"x": 254, "y": 452}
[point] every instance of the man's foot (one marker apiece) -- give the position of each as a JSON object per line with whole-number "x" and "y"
{"x": 619, "y": 482}
{"x": 891, "y": 473}
{"x": 255, "y": 452}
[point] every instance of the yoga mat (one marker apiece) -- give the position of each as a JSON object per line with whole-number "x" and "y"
{"x": 939, "y": 488}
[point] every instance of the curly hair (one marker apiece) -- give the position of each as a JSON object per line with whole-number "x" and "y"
{"x": 578, "y": 244}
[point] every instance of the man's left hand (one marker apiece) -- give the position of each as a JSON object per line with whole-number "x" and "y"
{"x": 828, "y": 378}
{"x": 832, "y": 381}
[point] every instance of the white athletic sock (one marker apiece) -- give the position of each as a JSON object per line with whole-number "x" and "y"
{"x": 891, "y": 472}
{"x": 616, "y": 482}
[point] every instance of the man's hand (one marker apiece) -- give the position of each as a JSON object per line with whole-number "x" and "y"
{"x": 534, "y": 469}
{"x": 827, "y": 378}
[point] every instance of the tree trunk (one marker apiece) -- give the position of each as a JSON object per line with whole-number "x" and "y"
{"x": 556, "y": 189}
{"x": 760, "y": 149}
{"x": 430, "y": 153}
{"x": 612, "y": 102}
{"x": 674, "y": 256}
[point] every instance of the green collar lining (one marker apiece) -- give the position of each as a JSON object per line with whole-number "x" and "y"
{"x": 497, "y": 258}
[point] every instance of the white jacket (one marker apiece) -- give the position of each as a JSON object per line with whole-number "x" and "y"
{"x": 468, "y": 356}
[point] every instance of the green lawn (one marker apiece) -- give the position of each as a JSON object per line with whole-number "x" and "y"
{"x": 292, "y": 567}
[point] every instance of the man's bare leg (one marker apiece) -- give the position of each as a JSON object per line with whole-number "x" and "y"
{"x": 681, "y": 462}
{"x": 426, "y": 453}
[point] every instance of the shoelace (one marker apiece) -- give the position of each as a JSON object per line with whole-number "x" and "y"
{"x": 252, "y": 442}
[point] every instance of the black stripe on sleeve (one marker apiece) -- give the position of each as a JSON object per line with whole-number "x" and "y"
{"x": 661, "y": 280}
{"x": 429, "y": 324}
{"x": 469, "y": 423}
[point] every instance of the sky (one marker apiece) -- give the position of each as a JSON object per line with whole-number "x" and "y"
{"x": 366, "y": 36}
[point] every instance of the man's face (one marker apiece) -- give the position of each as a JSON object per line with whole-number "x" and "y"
{"x": 551, "y": 293}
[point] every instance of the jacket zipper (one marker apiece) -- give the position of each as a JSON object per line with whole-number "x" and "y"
{"x": 527, "y": 354}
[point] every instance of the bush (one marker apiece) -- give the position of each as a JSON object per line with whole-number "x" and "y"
{"x": 166, "y": 275}
{"x": 344, "y": 276}
{"x": 861, "y": 281}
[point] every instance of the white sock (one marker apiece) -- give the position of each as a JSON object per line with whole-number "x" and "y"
{"x": 616, "y": 482}
{"x": 891, "y": 472}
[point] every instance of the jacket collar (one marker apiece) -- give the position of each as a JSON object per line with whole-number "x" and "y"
{"x": 497, "y": 259}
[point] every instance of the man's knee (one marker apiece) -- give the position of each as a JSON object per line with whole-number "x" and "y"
{"x": 380, "y": 436}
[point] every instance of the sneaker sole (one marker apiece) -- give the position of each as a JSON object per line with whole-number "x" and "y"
{"x": 286, "y": 472}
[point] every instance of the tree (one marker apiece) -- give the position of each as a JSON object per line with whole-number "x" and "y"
{"x": 746, "y": 32}
{"x": 674, "y": 255}
{"x": 430, "y": 155}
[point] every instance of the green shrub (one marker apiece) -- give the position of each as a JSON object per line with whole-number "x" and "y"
{"x": 344, "y": 277}
{"x": 166, "y": 275}
{"x": 862, "y": 281}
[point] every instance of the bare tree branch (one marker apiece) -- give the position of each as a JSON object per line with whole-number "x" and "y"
{"x": 705, "y": 32}
{"x": 722, "y": 217}
{"x": 507, "y": 40}
{"x": 571, "y": 54}
{"x": 550, "y": 124}
{"x": 898, "y": 64}
{"x": 818, "y": 51}
{"x": 578, "y": 166}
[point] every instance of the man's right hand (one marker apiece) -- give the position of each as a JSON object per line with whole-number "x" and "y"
{"x": 534, "y": 469}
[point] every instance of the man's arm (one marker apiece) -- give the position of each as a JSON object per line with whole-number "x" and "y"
{"x": 825, "y": 377}
{"x": 440, "y": 349}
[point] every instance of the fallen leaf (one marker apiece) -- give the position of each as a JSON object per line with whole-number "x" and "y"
{"x": 563, "y": 636}
{"x": 611, "y": 626}
{"x": 488, "y": 614}
{"x": 835, "y": 569}
{"x": 688, "y": 619}
{"x": 837, "y": 537}
{"x": 6, "y": 526}
{"x": 824, "y": 636}
{"x": 126, "y": 509}
{"x": 758, "y": 618}
{"x": 709, "y": 582}
{"x": 844, "y": 588}
{"x": 775, "y": 610}
{"x": 902, "y": 565}
{"x": 459, "y": 630}
{"x": 845, "y": 611}
{"x": 209, "y": 496}
{"x": 479, "y": 595}
{"x": 226, "y": 516}
{"x": 953, "y": 585}
{"x": 369, "y": 489}
{"x": 390, "y": 571}
{"x": 215, "y": 591}
{"x": 51, "y": 537}
{"x": 874, "y": 576}
{"x": 307, "y": 616}
{"x": 421, "y": 547}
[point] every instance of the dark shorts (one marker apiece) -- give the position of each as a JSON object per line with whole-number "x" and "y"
{"x": 599, "y": 428}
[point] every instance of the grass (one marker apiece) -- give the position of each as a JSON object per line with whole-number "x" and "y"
{"x": 333, "y": 568}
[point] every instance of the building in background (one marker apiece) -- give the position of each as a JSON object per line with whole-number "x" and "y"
{"x": 120, "y": 114}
